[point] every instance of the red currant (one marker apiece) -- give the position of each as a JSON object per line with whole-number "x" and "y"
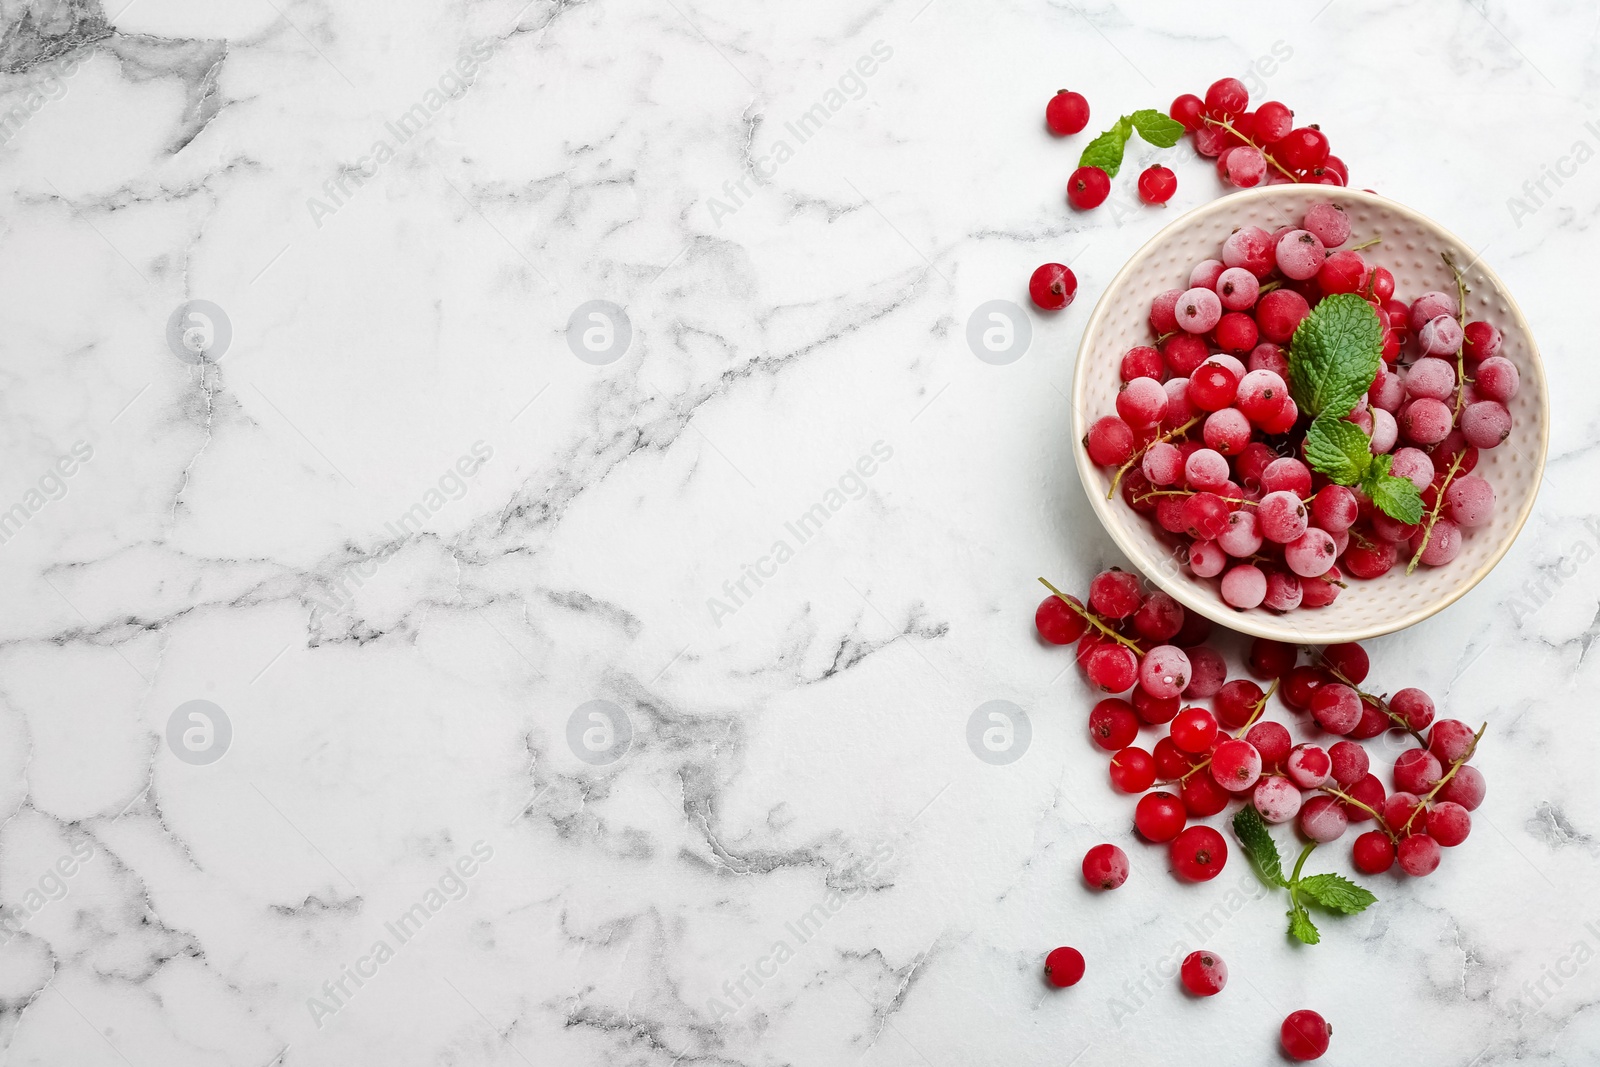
{"x": 1053, "y": 286}
{"x": 1350, "y": 660}
{"x": 1272, "y": 659}
{"x": 1227, "y": 96}
{"x": 1236, "y": 765}
{"x": 1133, "y": 770}
{"x": 1159, "y": 817}
{"x": 1193, "y": 730}
{"x": 1187, "y": 110}
{"x": 1204, "y": 974}
{"x": 1113, "y": 668}
{"x": 1302, "y": 149}
{"x": 1112, "y": 724}
{"x": 1064, "y": 967}
{"x": 1235, "y": 702}
{"x": 1057, "y": 623}
{"x": 1198, "y": 854}
{"x": 1157, "y": 184}
{"x": 1115, "y": 594}
{"x": 1202, "y": 796}
{"x": 1373, "y": 852}
{"x": 1155, "y": 710}
{"x": 1105, "y": 867}
{"x": 1418, "y": 855}
{"x": 1272, "y": 741}
{"x": 1304, "y": 1035}
{"x": 1273, "y": 122}
{"x": 1301, "y": 684}
{"x": 1066, "y": 113}
{"x": 1088, "y": 188}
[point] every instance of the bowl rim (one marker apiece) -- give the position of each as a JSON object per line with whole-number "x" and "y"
{"x": 1279, "y": 627}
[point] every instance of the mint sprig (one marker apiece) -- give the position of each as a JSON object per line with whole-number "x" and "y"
{"x": 1106, "y": 150}
{"x": 1333, "y": 359}
{"x": 1332, "y": 891}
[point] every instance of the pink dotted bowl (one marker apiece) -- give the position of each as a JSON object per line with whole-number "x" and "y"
{"x": 1412, "y": 246}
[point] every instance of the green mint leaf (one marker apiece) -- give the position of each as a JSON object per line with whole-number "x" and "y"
{"x": 1338, "y": 449}
{"x": 1301, "y": 926}
{"x": 1334, "y": 355}
{"x": 1336, "y": 893}
{"x": 1157, "y": 128}
{"x": 1105, "y": 151}
{"x": 1397, "y": 498}
{"x": 1258, "y": 843}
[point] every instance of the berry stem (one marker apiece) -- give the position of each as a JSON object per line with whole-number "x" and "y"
{"x": 1366, "y": 244}
{"x": 1348, "y": 799}
{"x": 1383, "y": 705}
{"x": 1461, "y": 318}
{"x": 1260, "y": 706}
{"x": 1225, "y": 124}
{"x": 1451, "y": 773}
{"x": 1094, "y": 620}
{"x": 1433, "y": 516}
{"x": 1137, "y": 456}
{"x": 1194, "y": 492}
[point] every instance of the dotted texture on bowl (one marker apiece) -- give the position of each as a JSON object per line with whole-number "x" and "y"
{"x": 1411, "y": 248}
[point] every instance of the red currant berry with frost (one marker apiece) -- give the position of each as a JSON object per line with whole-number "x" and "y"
{"x": 1159, "y": 618}
{"x": 1193, "y": 730}
{"x": 1300, "y": 254}
{"x": 1105, "y": 867}
{"x": 1342, "y": 272}
{"x": 1159, "y": 817}
{"x": 1109, "y": 441}
{"x": 1183, "y": 353}
{"x": 1322, "y": 819}
{"x": 1379, "y": 284}
{"x": 1155, "y": 710}
{"x": 1206, "y": 469}
{"x": 1335, "y": 508}
{"x": 1416, "y": 770}
{"x": 1320, "y": 592}
{"x": 1466, "y": 787}
{"x": 1279, "y": 314}
{"x": 1312, "y": 553}
{"x": 1205, "y": 558}
{"x": 1244, "y": 587}
{"x": 1336, "y": 708}
{"x": 1112, "y": 724}
{"x": 1066, "y": 113}
{"x": 1272, "y": 659}
{"x": 1273, "y": 122}
{"x": 1403, "y": 813}
{"x": 1469, "y": 501}
{"x": 1304, "y": 1035}
{"x": 1112, "y": 668}
{"x": 1198, "y": 854}
{"x": 1272, "y": 741}
{"x": 1237, "y": 289}
{"x": 1205, "y": 515}
{"x": 1088, "y": 188}
{"x": 1187, "y": 110}
{"x": 1162, "y": 464}
{"x": 1373, "y": 721}
{"x": 1164, "y": 671}
{"x": 1348, "y": 659}
{"x": 1450, "y": 740}
{"x": 1064, "y": 967}
{"x": 1142, "y": 361}
{"x": 1373, "y": 852}
{"x": 1369, "y": 560}
{"x": 1301, "y": 684}
{"x": 1418, "y": 855}
{"x": 1497, "y": 379}
{"x": 1141, "y": 402}
{"x": 1250, "y": 247}
{"x": 1349, "y": 763}
{"x": 1053, "y": 286}
{"x": 1227, "y": 96}
{"x": 1485, "y": 423}
{"x": 1448, "y": 823}
{"x": 1246, "y": 166}
{"x": 1133, "y": 770}
{"x": 1212, "y": 387}
{"x": 1207, "y": 672}
{"x": 1284, "y": 592}
{"x": 1057, "y": 623}
{"x": 1199, "y": 310}
{"x": 1236, "y": 765}
{"x": 1260, "y": 395}
{"x": 1227, "y": 431}
{"x": 1236, "y": 333}
{"x": 1115, "y": 594}
{"x": 1281, "y": 516}
{"x": 1236, "y": 702}
{"x": 1308, "y": 766}
{"x": 1481, "y": 341}
{"x": 1163, "y": 317}
{"x": 1268, "y": 356}
{"x": 1369, "y": 791}
{"x": 1202, "y": 796}
{"x": 1241, "y": 539}
{"x": 1302, "y": 149}
{"x": 1203, "y": 973}
{"x": 1330, "y": 223}
{"x": 1157, "y": 184}
{"x": 1277, "y": 800}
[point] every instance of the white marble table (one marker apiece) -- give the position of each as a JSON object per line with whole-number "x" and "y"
{"x": 397, "y": 537}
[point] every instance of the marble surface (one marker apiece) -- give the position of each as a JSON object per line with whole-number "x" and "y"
{"x": 398, "y": 539}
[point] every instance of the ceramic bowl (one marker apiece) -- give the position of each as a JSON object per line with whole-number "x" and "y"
{"x": 1412, "y": 246}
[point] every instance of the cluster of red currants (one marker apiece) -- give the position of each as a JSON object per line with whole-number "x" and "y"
{"x": 1210, "y": 443}
{"x": 1255, "y": 147}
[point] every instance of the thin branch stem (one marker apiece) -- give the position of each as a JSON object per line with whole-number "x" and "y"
{"x": 1225, "y": 124}
{"x": 1139, "y": 455}
{"x": 1455, "y": 766}
{"x": 1366, "y": 244}
{"x": 1377, "y": 701}
{"x": 1093, "y": 619}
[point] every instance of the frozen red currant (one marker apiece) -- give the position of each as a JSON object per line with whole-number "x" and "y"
{"x": 1159, "y": 817}
{"x": 1053, "y": 286}
{"x": 1066, "y": 113}
{"x": 1112, "y": 724}
{"x": 1236, "y": 765}
{"x": 1105, "y": 867}
{"x": 1115, "y": 594}
{"x": 1449, "y": 823}
{"x": 1304, "y": 1035}
{"x": 1198, "y": 854}
{"x": 1088, "y": 188}
{"x": 1058, "y": 623}
{"x": 1193, "y": 730}
{"x": 1272, "y": 659}
{"x": 1418, "y": 855}
{"x": 1373, "y": 852}
{"x": 1202, "y": 796}
{"x": 1133, "y": 770}
{"x": 1204, "y": 974}
{"x": 1063, "y": 967}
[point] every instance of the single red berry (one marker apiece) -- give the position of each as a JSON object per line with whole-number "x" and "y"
{"x": 1236, "y": 765}
{"x": 1142, "y": 361}
{"x": 1053, "y": 286}
{"x": 1236, "y": 702}
{"x": 1159, "y": 817}
{"x": 1272, "y": 659}
{"x": 1193, "y": 730}
{"x": 1187, "y": 109}
{"x": 1273, "y": 742}
{"x": 1198, "y": 854}
{"x": 1304, "y": 1035}
{"x": 1066, "y": 113}
{"x": 1349, "y": 659}
{"x": 1303, "y": 149}
{"x": 1115, "y": 594}
{"x": 1133, "y": 770}
{"x": 1204, "y": 973}
{"x": 1373, "y": 852}
{"x": 1369, "y": 791}
{"x": 1301, "y": 684}
{"x": 1105, "y": 867}
{"x": 1155, "y": 710}
{"x": 1157, "y": 184}
{"x": 1273, "y": 122}
{"x": 1227, "y": 96}
{"x": 1063, "y": 967}
{"x": 1112, "y": 724}
{"x": 1057, "y": 623}
{"x": 1202, "y": 796}
{"x": 1418, "y": 855}
{"x": 1088, "y": 187}
{"x": 1112, "y": 667}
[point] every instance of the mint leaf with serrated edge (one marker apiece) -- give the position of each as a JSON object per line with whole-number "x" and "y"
{"x": 1301, "y": 926}
{"x": 1253, "y": 835}
{"x": 1158, "y": 129}
{"x": 1105, "y": 151}
{"x": 1334, "y": 355}
{"x": 1336, "y": 893}
{"x": 1338, "y": 449}
{"x": 1395, "y": 497}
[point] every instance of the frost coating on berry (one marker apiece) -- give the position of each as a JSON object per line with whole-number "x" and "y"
{"x": 1336, "y": 708}
{"x": 1450, "y": 740}
{"x": 1277, "y": 800}
{"x": 1431, "y": 377}
{"x": 1308, "y": 766}
{"x": 1425, "y": 421}
{"x": 1417, "y": 770}
{"x": 1466, "y": 788}
{"x": 1236, "y": 765}
{"x": 1485, "y": 423}
{"x": 1429, "y": 306}
{"x": 1418, "y": 855}
{"x": 1207, "y": 671}
{"x": 1443, "y": 544}
{"x": 1115, "y": 594}
{"x": 1271, "y": 739}
{"x": 1448, "y": 823}
{"x": 1385, "y": 431}
{"x": 1300, "y": 254}
{"x": 1282, "y": 516}
{"x": 1415, "y": 464}
{"x": 1205, "y": 274}
{"x": 1141, "y": 402}
{"x": 1497, "y": 379}
{"x": 1109, "y": 441}
{"x": 1198, "y": 310}
{"x": 1328, "y": 221}
{"x": 1244, "y": 587}
{"x": 1322, "y": 819}
{"x": 1373, "y": 852}
{"x": 1311, "y": 554}
{"x": 1164, "y": 671}
{"x": 1348, "y": 762}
